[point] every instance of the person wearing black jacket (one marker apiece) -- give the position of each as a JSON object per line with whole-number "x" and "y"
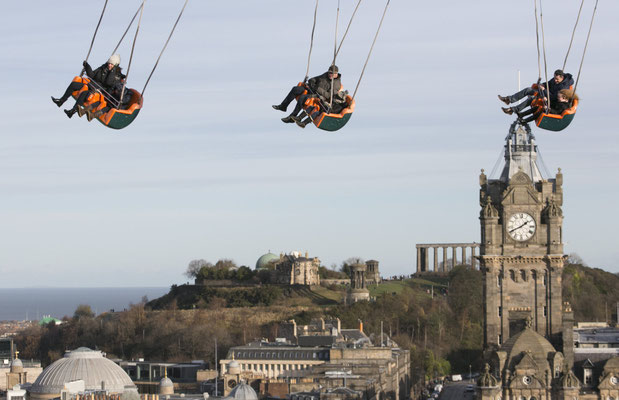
{"x": 318, "y": 86}
{"x": 106, "y": 77}
{"x": 307, "y": 116}
{"x": 562, "y": 103}
{"x": 560, "y": 81}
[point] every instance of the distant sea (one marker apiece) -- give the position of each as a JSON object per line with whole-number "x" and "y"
{"x": 33, "y": 303}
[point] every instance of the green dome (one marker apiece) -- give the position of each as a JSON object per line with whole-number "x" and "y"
{"x": 47, "y": 319}
{"x": 265, "y": 260}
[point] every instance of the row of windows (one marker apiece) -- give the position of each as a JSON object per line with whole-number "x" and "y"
{"x": 522, "y": 275}
{"x": 544, "y": 311}
{"x": 286, "y": 355}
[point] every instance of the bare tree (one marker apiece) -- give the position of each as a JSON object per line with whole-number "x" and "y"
{"x": 349, "y": 262}
{"x": 225, "y": 263}
{"x": 194, "y": 267}
{"x": 574, "y": 258}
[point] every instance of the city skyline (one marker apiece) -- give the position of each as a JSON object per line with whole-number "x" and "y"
{"x": 207, "y": 171}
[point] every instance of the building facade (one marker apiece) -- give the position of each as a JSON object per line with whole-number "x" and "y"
{"x": 294, "y": 269}
{"x": 529, "y": 340}
{"x": 372, "y": 274}
{"x": 326, "y": 362}
{"x": 521, "y": 251}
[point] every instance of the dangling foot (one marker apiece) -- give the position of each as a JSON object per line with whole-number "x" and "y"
{"x": 279, "y": 107}
{"x": 507, "y": 110}
{"x": 81, "y": 111}
{"x": 93, "y": 115}
{"x": 305, "y": 122}
{"x": 56, "y": 101}
{"x": 504, "y": 99}
{"x": 70, "y": 112}
{"x": 288, "y": 120}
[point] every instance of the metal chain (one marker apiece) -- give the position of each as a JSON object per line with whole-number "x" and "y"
{"x": 164, "y": 46}
{"x": 137, "y": 30}
{"x": 332, "y": 68}
{"x": 573, "y": 33}
{"x": 541, "y": 18}
{"x": 92, "y": 42}
{"x": 371, "y": 48}
{"x": 309, "y": 56}
{"x": 585, "y": 50}
{"x": 127, "y": 30}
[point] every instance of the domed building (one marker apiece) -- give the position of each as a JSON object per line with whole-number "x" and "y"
{"x": 265, "y": 260}
{"x": 166, "y": 386}
{"x": 526, "y": 366}
{"x": 242, "y": 391}
{"x": 16, "y": 374}
{"x": 82, "y": 364}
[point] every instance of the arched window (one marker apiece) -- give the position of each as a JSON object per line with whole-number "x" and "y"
{"x": 534, "y": 275}
{"x": 523, "y": 275}
{"x": 512, "y": 275}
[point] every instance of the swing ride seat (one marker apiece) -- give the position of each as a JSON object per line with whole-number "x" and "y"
{"x": 327, "y": 121}
{"x": 333, "y": 122}
{"x": 554, "y": 122}
{"x": 115, "y": 118}
{"x": 118, "y": 119}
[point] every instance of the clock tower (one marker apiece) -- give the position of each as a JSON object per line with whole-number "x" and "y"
{"x": 521, "y": 254}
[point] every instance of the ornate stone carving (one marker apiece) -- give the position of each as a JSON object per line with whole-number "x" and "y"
{"x": 488, "y": 210}
{"x": 552, "y": 209}
{"x": 568, "y": 379}
{"x": 487, "y": 379}
{"x": 520, "y": 178}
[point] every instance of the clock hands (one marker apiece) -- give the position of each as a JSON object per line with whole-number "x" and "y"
{"x": 515, "y": 229}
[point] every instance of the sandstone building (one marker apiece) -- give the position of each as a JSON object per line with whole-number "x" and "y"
{"x": 320, "y": 360}
{"x": 293, "y": 269}
{"x": 528, "y": 330}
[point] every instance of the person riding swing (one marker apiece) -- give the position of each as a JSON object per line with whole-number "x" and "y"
{"x": 560, "y": 81}
{"x": 105, "y": 78}
{"x": 318, "y": 87}
{"x": 565, "y": 98}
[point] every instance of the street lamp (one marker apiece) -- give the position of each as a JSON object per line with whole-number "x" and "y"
{"x": 470, "y": 373}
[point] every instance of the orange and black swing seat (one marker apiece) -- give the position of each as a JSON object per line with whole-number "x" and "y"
{"x": 115, "y": 118}
{"x": 328, "y": 121}
{"x": 554, "y": 122}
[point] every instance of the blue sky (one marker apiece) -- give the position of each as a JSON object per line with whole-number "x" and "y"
{"x": 208, "y": 170}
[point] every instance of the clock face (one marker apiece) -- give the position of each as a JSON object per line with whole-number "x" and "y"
{"x": 614, "y": 380}
{"x": 521, "y": 226}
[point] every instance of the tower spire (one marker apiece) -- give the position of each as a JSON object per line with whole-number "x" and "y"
{"x": 520, "y": 153}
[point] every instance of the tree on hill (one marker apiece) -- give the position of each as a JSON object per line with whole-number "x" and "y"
{"x": 194, "y": 267}
{"x": 83, "y": 311}
{"x": 225, "y": 264}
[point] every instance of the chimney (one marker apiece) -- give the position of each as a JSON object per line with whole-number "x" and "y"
{"x": 360, "y": 325}
{"x": 306, "y": 254}
{"x": 294, "y": 327}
